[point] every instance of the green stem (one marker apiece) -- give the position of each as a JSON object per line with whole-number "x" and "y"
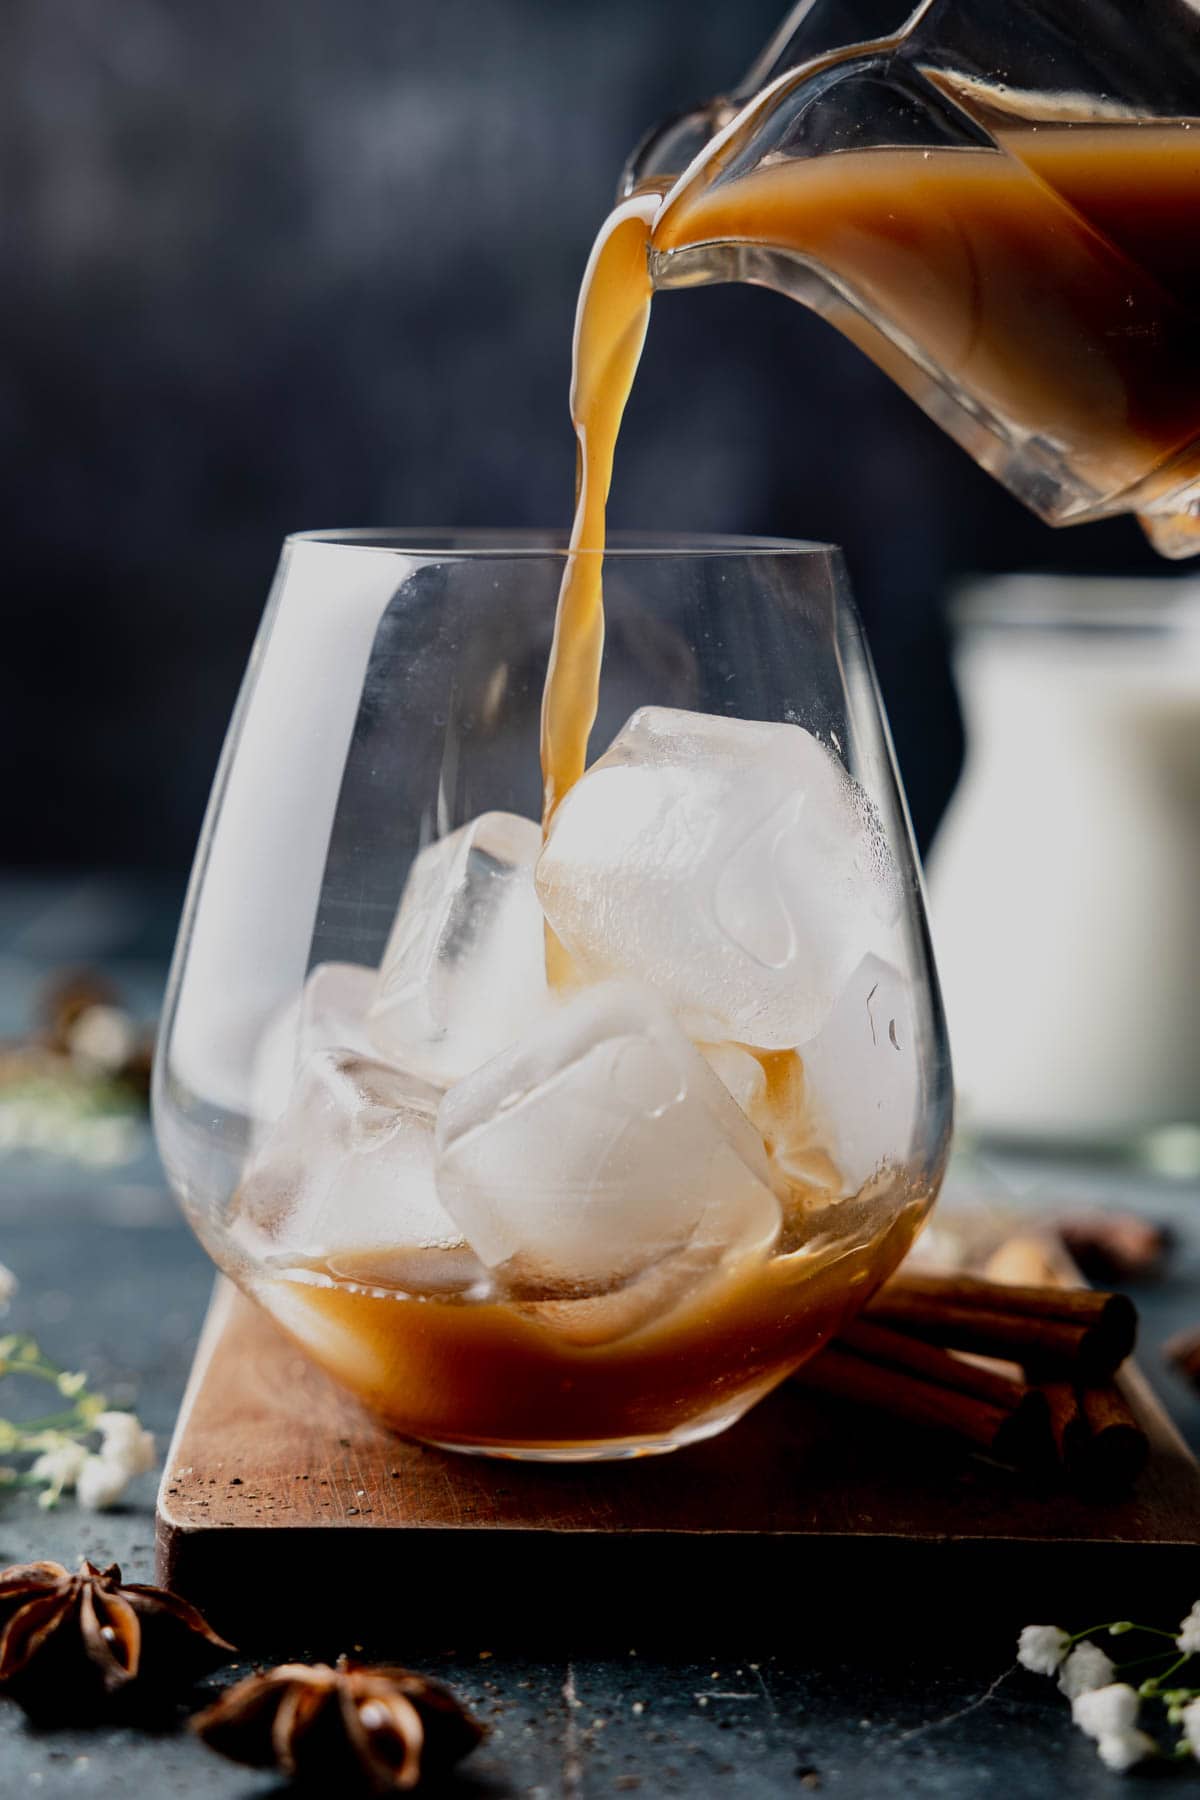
{"x": 1138, "y": 1661}
{"x": 43, "y": 1370}
{"x": 1177, "y": 1664}
{"x": 60, "y": 1421}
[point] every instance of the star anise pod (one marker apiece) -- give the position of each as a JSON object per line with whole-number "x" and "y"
{"x": 76, "y": 1646}
{"x": 378, "y": 1730}
{"x": 1115, "y": 1247}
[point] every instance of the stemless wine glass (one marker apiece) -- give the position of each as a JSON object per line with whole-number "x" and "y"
{"x": 556, "y": 1222}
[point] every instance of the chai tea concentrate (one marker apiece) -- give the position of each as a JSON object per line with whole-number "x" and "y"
{"x": 562, "y": 1377}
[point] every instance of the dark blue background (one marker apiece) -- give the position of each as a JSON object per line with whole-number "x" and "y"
{"x": 296, "y": 263}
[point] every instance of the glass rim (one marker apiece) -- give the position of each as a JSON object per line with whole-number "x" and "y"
{"x": 480, "y": 543}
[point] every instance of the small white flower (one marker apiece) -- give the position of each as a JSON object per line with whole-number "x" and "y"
{"x": 1191, "y": 1725}
{"x": 1189, "y": 1631}
{"x": 1041, "y": 1648}
{"x": 1086, "y": 1668}
{"x": 101, "y": 1484}
{"x": 61, "y": 1466}
{"x": 1106, "y": 1712}
{"x": 125, "y": 1443}
{"x": 1119, "y": 1750}
{"x": 8, "y": 1287}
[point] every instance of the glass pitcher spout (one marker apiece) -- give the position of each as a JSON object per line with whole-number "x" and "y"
{"x": 1001, "y": 206}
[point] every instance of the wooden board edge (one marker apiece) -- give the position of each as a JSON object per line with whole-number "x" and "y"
{"x": 222, "y": 1301}
{"x": 649, "y": 1588}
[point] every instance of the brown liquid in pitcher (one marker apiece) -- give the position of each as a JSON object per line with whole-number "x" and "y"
{"x": 1057, "y": 286}
{"x": 1056, "y": 279}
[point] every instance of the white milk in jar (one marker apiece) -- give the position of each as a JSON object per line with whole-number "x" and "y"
{"x": 1065, "y": 880}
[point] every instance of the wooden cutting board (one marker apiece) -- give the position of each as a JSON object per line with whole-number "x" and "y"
{"x": 284, "y": 1507}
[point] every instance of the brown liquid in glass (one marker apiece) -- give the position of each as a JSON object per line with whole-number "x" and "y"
{"x": 1057, "y": 278}
{"x": 477, "y": 1374}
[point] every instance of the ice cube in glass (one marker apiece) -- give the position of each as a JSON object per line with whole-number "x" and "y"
{"x": 329, "y": 1013}
{"x": 597, "y": 1146}
{"x": 464, "y": 969}
{"x": 862, "y": 1079}
{"x": 346, "y": 1176}
{"x": 733, "y": 865}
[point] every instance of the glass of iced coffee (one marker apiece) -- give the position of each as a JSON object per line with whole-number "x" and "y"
{"x": 556, "y": 1131}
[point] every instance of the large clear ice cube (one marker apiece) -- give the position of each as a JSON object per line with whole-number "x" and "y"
{"x": 596, "y": 1147}
{"x": 862, "y": 1076}
{"x": 329, "y": 1013}
{"x": 464, "y": 970}
{"x": 733, "y": 865}
{"x": 346, "y": 1176}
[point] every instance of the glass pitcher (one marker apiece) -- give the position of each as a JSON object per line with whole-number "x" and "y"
{"x": 1001, "y": 206}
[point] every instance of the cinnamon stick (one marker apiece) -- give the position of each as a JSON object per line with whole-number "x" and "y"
{"x": 880, "y": 1344}
{"x": 1023, "y": 1436}
{"x": 848, "y": 1376}
{"x": 1090, "y": 1432}
{"x": 1067, "y": 1423}
{"x": 1050, "y": 1329}
{"x": 920, "y": 1385}
{"x": 1114, "y": 1451}
{"x": 1100, "y": 1444}
{"x": 1041, "y": 1300}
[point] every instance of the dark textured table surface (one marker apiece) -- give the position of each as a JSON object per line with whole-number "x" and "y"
{"x": 112, "y": 1282}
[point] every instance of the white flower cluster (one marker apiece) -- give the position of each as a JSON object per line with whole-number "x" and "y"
{"x": 100, "y": 1477}
{"x": 1084, "y": 1670}
{"x": 1189, "y": 1632}
{"x": 8, "y": 1287}
{"x": 1107, "y": 1709}
{"x": 1190, "y": 1720}
{"x": 1109, "y": 1715}
{"x": 1042, "y": 1648}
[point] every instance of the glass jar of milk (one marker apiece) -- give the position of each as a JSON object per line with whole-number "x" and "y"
{"x": 1065, "y": 881}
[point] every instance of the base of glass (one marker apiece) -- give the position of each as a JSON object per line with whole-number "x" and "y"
{"x": 614, "y": 1450}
